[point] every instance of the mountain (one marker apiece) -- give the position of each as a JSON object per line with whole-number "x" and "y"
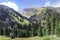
{"x": 12, "y": 23}
{"x": 35, "y": 14}
{"x": 37, "y": 11}
{"x": 31, "y": 11}
{"x": 9, "y": 15}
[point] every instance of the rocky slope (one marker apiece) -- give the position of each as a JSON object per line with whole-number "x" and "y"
{"x": 35, "y": 13}
{"x": 9, "y": 15}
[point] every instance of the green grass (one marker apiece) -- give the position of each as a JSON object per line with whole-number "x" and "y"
{"x": 51, "y": 37}
{"x": 4, "y": 38}
{"x": 32, "y": 38}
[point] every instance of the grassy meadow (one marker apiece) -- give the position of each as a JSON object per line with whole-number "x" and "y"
{"x": 32, "y": 38}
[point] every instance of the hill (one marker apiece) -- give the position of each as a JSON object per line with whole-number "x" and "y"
{"x": 10, "y": 21}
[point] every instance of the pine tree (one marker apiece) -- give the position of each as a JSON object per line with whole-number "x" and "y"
{"x": 46, "y": 25}
{"x": 52, "y": 24}
{"x": 32, "y": 30}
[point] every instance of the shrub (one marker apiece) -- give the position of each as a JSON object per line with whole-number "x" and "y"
{"x": 12, "y": 35}
{"x": 46, "y": 38}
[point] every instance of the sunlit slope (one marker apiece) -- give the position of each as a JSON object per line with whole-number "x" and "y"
{"x": 32, "y": 11}
{"x": 36, "y": 14}
{"x": 12, "y": 15}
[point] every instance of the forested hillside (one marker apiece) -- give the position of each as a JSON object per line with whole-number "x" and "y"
{"x": 14, "y": 24}
{"x": 48, "y": 19}
{"x": 42, "y": 21}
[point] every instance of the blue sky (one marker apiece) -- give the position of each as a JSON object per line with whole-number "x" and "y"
{"x": 21, "y": 4}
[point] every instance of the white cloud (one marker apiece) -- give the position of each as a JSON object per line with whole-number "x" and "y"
{"x": 48, "y": 3}
{"x": 11, "y": 5}
{"x": 56, "y": 5}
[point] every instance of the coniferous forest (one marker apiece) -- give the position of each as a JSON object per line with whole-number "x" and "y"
{"x": 43, "y": 22}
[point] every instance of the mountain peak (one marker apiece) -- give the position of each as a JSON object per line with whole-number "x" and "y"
{"x": 4, "y": 6}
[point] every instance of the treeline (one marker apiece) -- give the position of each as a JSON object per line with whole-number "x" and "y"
{"x": 49, "y": 25}
{"x": 18, "y": 30}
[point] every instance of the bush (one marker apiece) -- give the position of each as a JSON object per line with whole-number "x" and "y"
{"x": 12, "y": 35}
{"x": 46, "y": 38}
{"x": 23, "y": 33}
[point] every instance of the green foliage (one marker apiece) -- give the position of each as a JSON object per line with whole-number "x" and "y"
{"x": 12, "y": 35}
{"x": 23, "y": 33}
{"x": 46, "y": 38}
